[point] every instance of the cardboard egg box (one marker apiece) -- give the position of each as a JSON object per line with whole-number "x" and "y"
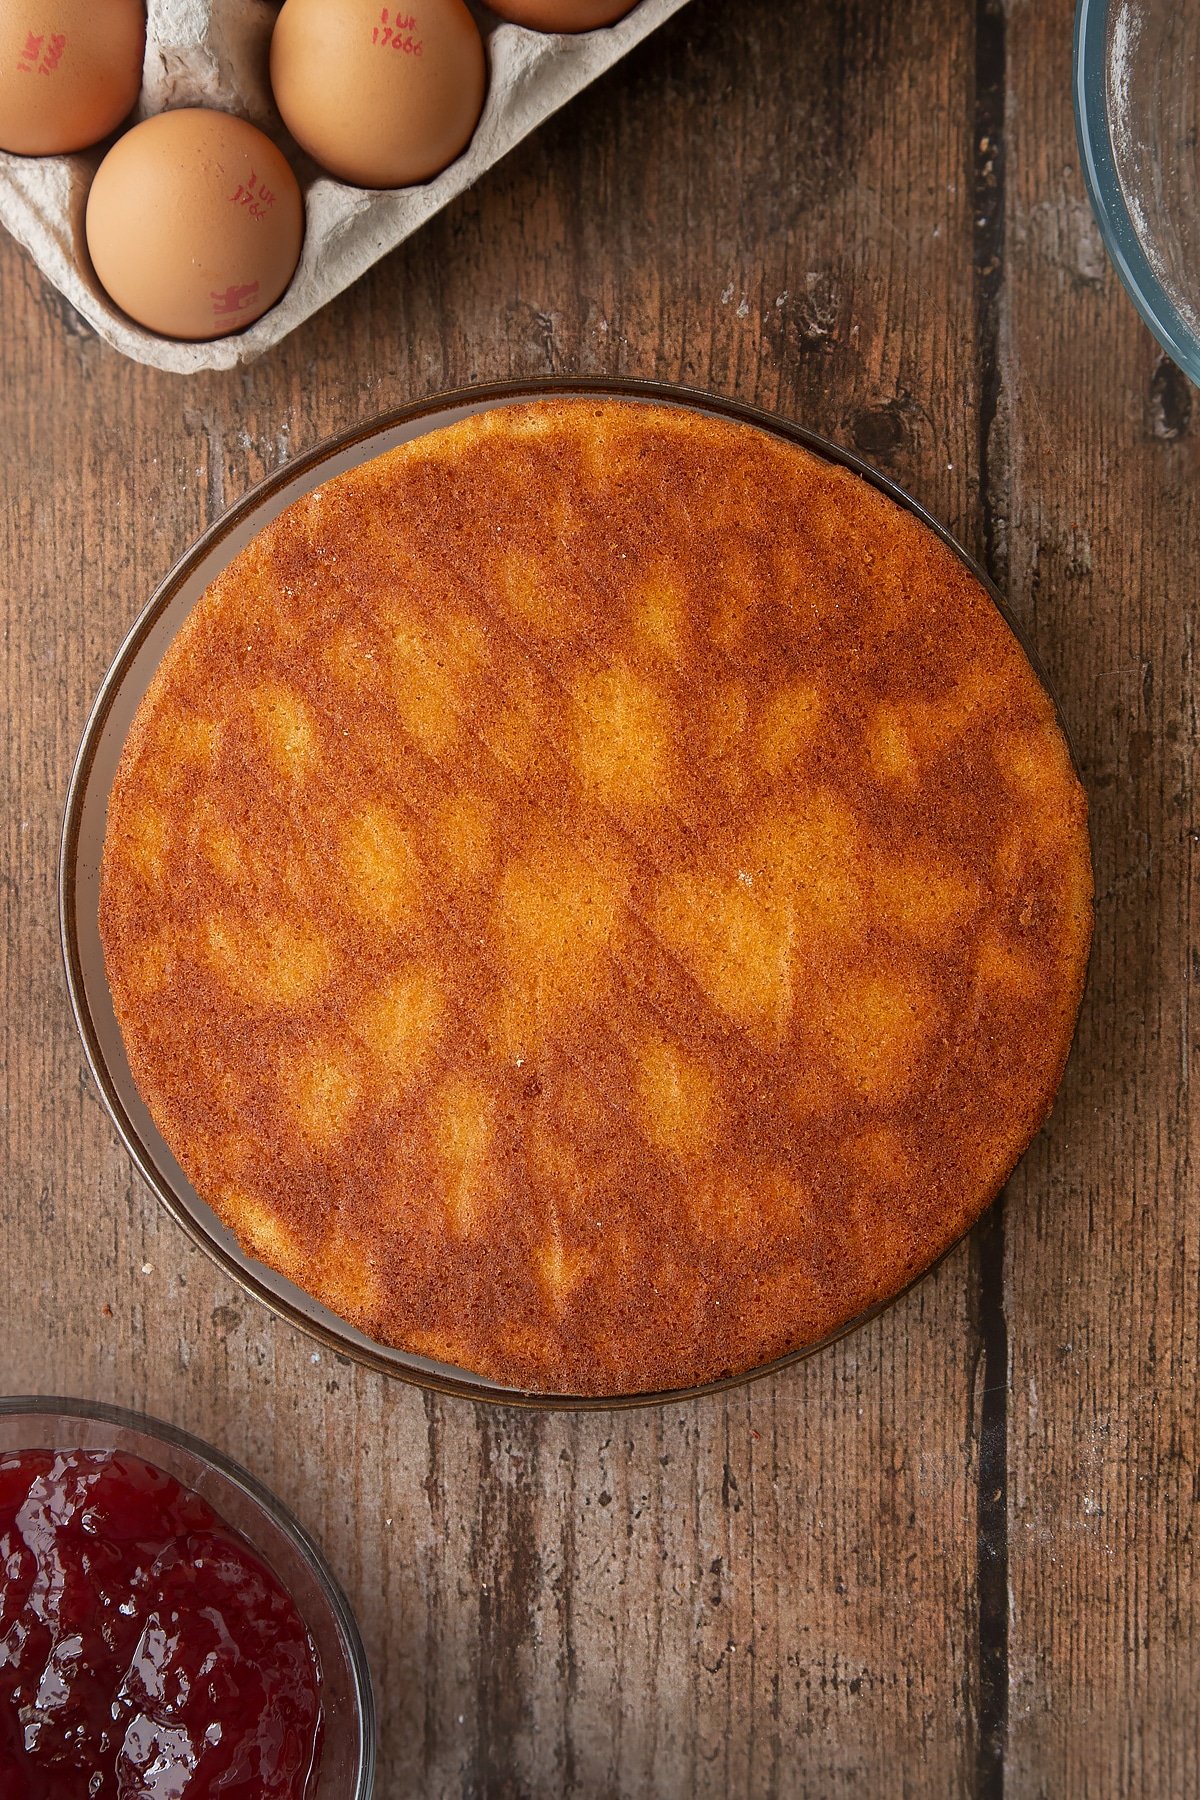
{"x": 214, "y": 53}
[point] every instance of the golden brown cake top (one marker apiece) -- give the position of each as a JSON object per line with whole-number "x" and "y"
{"x": 596, "y": 895}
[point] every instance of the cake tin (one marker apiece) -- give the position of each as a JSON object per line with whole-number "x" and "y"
{"x": 346, "y": 1770}
{"x": 1137, "y": 113}
{"x": 83, "y": 838}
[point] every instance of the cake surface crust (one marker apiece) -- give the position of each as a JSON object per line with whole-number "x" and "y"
{"x": 597, "y": 896}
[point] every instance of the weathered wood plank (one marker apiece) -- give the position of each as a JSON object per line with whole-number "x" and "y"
{"x": 1103, "y": 1243}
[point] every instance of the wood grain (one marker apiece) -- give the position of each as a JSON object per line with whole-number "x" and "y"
{"x": 1102, "y": 1266}
{"x": 954, "y": 1554}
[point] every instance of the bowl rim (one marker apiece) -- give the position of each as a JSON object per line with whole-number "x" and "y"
{"x": 59, "y": 1406}
{"x": 1089, "y": 89}
{"x": 237, "y": 1263}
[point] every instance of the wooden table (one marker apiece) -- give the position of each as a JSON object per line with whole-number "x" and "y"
{"x": 956, "y": 1554}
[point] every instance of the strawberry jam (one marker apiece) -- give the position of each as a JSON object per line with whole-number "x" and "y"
{"x": 146, "y": 1653}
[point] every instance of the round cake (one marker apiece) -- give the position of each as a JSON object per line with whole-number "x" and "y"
{"x": 597, "y": 896}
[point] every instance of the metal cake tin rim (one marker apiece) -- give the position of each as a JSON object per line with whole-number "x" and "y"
{"x": 211, "y": 1457}
{"x": 236, "y": 1262}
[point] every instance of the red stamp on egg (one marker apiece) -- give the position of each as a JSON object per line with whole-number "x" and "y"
{"x": 254, "y": 195}
{"x": 396, "y": 29}
{"x": 235, "y": 299}
{"x": 42, "y": 54}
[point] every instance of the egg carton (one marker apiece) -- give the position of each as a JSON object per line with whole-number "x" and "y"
{"x": 214, "y": 53}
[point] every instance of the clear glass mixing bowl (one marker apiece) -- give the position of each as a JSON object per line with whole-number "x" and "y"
{"x": 1137, "y": 108}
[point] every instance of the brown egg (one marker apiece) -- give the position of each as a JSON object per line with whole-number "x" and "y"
{"x": 194, "y": 223}
{"x": 70, "y": 70}
{"x": 381, "y": 96}
{"x": 562, "y": 15}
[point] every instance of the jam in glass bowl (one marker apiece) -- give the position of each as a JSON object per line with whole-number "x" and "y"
{"x": 167, "y": 1630}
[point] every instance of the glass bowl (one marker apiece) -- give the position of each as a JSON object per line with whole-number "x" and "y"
{"x": 83, "y": 838}
{"x": 347, "y": 1766}
{"x": 1137, "y": 112}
